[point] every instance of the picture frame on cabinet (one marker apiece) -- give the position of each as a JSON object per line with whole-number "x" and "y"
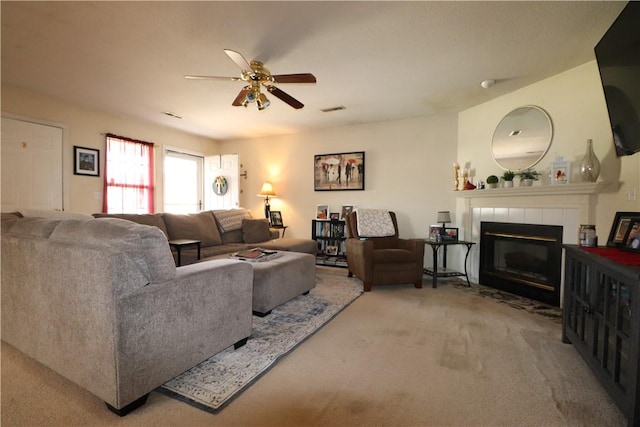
{"x": 334, "y": 216}
{"x": 631, "y": 240}
{"x": 332, "y": 250}
{"x": 346, "y": 210}
{"x": 620, "y": 226}
{"x": 322, "y": 212}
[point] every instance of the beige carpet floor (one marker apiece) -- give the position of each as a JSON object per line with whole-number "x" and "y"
{"x": 397, "y": 356}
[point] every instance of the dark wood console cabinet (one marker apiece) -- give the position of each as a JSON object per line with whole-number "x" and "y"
{"x": 601, "y": 318}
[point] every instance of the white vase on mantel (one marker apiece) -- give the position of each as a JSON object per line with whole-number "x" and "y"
{"x": 590, "y": 166}
{"x": 508, "y": 184}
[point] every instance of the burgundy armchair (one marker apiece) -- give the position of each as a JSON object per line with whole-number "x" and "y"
{"x": 383, "y": 260}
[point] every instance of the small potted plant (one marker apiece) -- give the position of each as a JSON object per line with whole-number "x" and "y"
{"x": 527, "y": 177}
{"x": 508, "y": 176}
{"x": 492, "y": 181}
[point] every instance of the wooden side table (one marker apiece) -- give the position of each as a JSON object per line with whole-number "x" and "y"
{"x": 178, "y": 244}
{"x": 445, "y": 272}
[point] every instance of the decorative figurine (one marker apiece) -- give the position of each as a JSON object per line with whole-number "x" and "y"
{"x": 456, "y": 174}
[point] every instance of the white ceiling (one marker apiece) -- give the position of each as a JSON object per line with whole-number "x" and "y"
{"x": 380, "y": 60}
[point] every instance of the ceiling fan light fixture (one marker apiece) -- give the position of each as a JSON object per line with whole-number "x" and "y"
{"x": 251, "y": 96}
{"x": 262, "y": 102}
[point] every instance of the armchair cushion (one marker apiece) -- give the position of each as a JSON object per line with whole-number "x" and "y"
{"x": 381, "y": 256}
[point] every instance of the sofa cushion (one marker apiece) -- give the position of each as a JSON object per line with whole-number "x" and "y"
{"x": 255, "y": 230}
{"x": 11, "y": 215}
{"x": 230, "y": 219}
{"x": 146, "y": 245}
{"x": 32, "y": 227}
{"x": 234, "y": 236}
{"x": 145, "y": 219}
{"x": 200, "y": 226}
{"x": 53, "y": 214}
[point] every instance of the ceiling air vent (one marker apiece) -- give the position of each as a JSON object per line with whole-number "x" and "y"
{"x": 328, "y": 110}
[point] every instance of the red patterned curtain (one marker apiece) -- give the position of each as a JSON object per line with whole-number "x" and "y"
{"x": 128, "y": 176}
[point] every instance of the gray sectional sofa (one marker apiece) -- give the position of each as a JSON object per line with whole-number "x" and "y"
{"x": 102, "y": 303}
{"x": 220, "y": 232}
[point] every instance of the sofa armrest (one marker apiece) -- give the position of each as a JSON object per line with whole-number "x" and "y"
{"x": 164, "y": 329}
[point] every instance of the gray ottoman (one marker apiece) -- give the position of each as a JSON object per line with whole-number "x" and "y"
{"x": 278, "y": 280}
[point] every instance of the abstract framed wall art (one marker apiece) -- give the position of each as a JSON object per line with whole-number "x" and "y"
{"x": 339, "y": 171}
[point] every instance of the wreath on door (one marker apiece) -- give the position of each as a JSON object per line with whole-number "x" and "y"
{"x": 220, "y": 185}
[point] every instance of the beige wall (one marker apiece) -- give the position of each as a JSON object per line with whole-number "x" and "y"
{"x": 406, "y": 171}
{"x": 575, "y": 101}
{"x": 408, "y": 162}
{"x": 86, "y": 128}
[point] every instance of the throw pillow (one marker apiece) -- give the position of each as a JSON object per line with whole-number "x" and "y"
{"x": 255, "y": 230}
{"x": 230, "y": 219}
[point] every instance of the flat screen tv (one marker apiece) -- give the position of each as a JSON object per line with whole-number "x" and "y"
{"x": 618, "y": 56}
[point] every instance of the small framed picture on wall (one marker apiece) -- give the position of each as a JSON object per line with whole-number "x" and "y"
{"x": 86, "y": 161}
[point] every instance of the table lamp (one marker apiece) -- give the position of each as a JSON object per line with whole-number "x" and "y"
{"x": 444, "y": 217}
{"x": 266, "y": 192}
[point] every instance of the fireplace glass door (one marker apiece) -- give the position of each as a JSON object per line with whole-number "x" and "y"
{"x": 523, "y": 259}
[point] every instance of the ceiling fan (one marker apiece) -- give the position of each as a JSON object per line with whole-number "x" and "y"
{"x": 258, "y": 76}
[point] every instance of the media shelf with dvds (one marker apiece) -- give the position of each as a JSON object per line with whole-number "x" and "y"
{"x": 330, "y": 237}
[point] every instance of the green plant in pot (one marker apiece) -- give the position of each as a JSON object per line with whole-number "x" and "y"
{"x": 508, "y": 176}
{"x": 527, "y": 177}
{"x": 492, "y": 181}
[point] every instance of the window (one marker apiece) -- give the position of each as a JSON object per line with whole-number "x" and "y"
{"x": 128, "y": 177}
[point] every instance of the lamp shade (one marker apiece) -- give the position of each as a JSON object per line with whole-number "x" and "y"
{"x": 444, "y": 217}
{"x": 267, "y": 190}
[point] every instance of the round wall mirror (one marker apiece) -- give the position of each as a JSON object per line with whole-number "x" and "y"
{"x": 522, "y": 138}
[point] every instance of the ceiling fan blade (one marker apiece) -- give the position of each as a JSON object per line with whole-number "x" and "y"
{"x": 294, "y": 78}
{"x": 232, "y": 79}
{"x": 241, "y": 96}
{"x": 285, "y": 97}
{"x": 239, "y": 60}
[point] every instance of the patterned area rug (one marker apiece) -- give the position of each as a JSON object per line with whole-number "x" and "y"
{"x": 216, "y": 381}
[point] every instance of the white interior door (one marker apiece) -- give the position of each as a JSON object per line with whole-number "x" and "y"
{"x": 227, "y": 167}
{"x": 182, "y": 182}
{"x": 31, "y": 165}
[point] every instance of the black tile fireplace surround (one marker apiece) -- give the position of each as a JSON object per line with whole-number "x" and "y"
{"x": 523, "y": 259}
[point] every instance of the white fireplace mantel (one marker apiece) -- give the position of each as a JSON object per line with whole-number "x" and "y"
{"x": 568, "y": 205}
{"x": 536, "y": 190}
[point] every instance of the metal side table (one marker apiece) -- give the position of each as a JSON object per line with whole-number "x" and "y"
{"x": 435, "y": 272}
